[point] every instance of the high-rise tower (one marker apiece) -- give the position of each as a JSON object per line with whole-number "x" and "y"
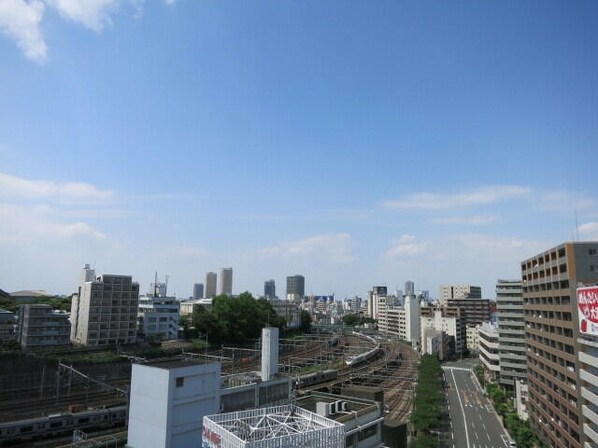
{"x": 210, "y": 286}
{"x": 269, "y": 289}
{"x": 226, "y": 281}
{"x": 295, "y": 287}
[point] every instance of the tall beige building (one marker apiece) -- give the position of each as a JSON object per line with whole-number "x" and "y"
{"x": 558, "y": 388}
{"x": 226, "y": 281}
{"x": 210, "y": 285}
{"x": 104, "y": 310}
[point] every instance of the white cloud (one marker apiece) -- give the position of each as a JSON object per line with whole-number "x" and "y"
{"x": 405, "y": 246}
{"x": 589, "y": 231}
{"x": 335, "y": 248}
{"x": 39, "y": 226}
{"x": 20, "y": 21}
{"x": 93, "y": 14}
{"x": 80, "y": 229}
{"x": 480, "y": 196}
{"x": 170, "y": 2}
{"x": 17, "y": 187}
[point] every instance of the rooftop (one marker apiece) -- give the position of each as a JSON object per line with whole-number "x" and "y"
{"x": 271, "y": 423}
{"x": 169, "y": 363}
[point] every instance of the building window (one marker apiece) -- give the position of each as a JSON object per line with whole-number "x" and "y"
{"x": 180, "y": 381}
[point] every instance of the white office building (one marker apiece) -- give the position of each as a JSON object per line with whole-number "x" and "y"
{"x": 158, "y": 317}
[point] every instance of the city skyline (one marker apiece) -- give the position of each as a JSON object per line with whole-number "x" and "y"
{"x": 357, "y": 146}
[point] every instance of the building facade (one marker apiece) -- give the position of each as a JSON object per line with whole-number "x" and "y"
{"x": 587, "y": 355}
{"x": 158, "y": 318}
{"x": 549, "y": 282}
{"x": 475, "y": 311}
{"x": 511, "y": 332}
{"x": 488, "y": 349}
{"x": 40, "y": 327}
{"x": 210, "y": 285}
{"x": 7, "y": 326}
{"x": 197, "y": 291}
{"x": 226, "y": 281}
{"x": 104, "y": 311}
{"x": 400, "y": 320}
{"x": 270, "y": 289}
{"x": 447, "y": 319}
{"x": 295, "y": 287}
{"x": 446, "y": 292}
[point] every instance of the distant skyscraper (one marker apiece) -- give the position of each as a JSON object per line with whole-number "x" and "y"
{"x": 197, "y": 290}
{"x": 210, "y": 285}
{"x": 409, "y": 288}
{"x": 295, "y": 287}
{"x": 226, "y": 281}
{"x": 269, "y": 289}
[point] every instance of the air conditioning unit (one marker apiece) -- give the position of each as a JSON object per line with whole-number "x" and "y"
{"x": 343, "y": 405}
{"x": 322, "y": 409}
{"x": 332, "y": 408}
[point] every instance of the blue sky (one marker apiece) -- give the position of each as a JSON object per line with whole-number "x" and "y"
{"x": 357, "y": 143}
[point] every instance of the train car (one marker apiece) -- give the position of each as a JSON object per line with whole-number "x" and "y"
{"x": 61, "y": 424}
{"x": 356, "y": 359}
{"x": 314, "y": 378}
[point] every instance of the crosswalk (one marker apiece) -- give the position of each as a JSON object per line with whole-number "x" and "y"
{"x": 463, "y": 369}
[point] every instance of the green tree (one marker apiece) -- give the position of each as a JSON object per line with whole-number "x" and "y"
{"x": 427, "y": 411}
{"x": 235, "y": 319}
{"x": 305, "y": 321}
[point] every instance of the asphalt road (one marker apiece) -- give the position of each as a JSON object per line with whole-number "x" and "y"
{"x": 473, "y": 422}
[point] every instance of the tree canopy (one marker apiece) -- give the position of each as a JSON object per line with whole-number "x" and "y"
{"x": 429, "y": 396}
{"x": 354, "y": 320}
{"x": 235, "y": 319}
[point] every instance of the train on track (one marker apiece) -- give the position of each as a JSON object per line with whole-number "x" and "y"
{"x": 311, "y": 379}
{"x": 356, "y": 359}
{"x": 60, "y": 424}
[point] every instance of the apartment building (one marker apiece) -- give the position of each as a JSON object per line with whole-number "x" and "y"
{"x": 447, "y": 319}
{"x": 476, "y": 311}
{"x": 104, "y": 311}
{"x": 446, "y": 292}
{"x": 587, "y": 303}
{"x": 399, "y": 320}
{"x": 39, "y": 326}
{"x": 488, "y": 349}
{"x": 549, "y": 283}
{"x": 511, "y": 333}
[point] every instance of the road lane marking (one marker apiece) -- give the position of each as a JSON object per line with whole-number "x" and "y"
{"x": 462, "y": 409}
{"x": 488, "y": 435}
